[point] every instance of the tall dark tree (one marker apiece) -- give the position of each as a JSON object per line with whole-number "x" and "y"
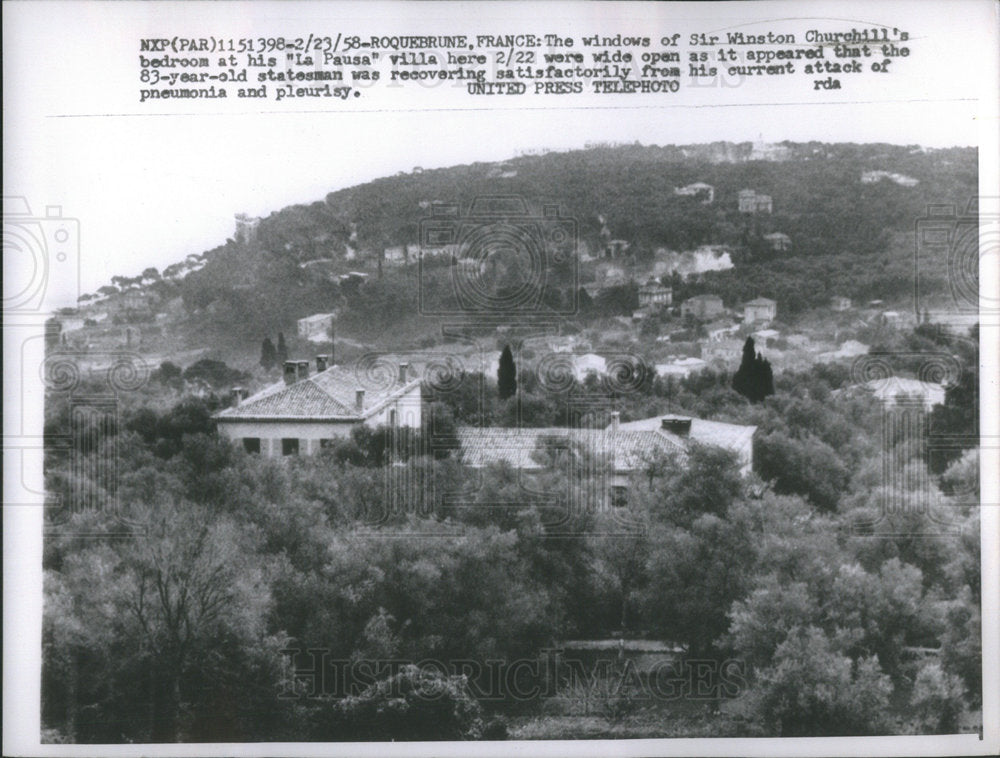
{"x": 268, "y": 354}
{"x": 506, "y": 374}
{"x": 743, "y": 378}
{"x": 282, "y": 348}
{"x": 754, "y": 379}
{"x": 766, "y": 375}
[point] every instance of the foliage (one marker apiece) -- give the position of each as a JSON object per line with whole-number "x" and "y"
{"x": 214, "y": 373}
{"x": 506, "y": 374}
{"x": 754, "y": 378}
{"x": 937, "y": 700}
{"x": 268, "y": 354}
{"x": 811, "y": 689}
{"x": 806, "y": 466}
{"x": 281, "y": 352}
{"x": 414, "y": 704}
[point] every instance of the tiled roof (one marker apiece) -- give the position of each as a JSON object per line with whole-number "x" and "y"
{"x": 891, "y": 388}
{"x": 328, "y": 395}
{"x": 519, "y": 447}
{"x": 721, "y": 434}
{"x": 761, "y": 301}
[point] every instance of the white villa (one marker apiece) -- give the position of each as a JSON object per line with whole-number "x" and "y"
{"x": 316, "y": 328}
{"x": 303, "y": 414}
{"x": 762, "y": 309}
{"x": 899, "y": 390}
{"x": 680, "y": 367}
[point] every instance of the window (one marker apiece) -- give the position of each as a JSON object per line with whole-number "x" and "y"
{"x": 251, "y": 444}
{"x": 619, "y": 496}
{"x": 327, "y": 444}
{"x": 289, "y": 446}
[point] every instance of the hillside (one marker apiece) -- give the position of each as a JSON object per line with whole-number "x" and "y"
{"x": 848, "y": 212}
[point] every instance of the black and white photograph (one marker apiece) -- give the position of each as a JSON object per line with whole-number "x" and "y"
{"x": 486, "y": 378}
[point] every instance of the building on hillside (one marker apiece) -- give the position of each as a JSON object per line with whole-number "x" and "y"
{"x": 849, "y": 349}
{"x": 652, "y": 294}
{"x": 397, "y": 255}
{"x": 610, "y": 275}
{"x": 897, "y": 390}
{"x": 70, "y": 323}
{"x": 616, "y": 452}
{"x": 779, "y": 241}
{"x": 750, "y": 201}
{"x": 840, "y": 303}
{"x": 246, "y": 229}
{"x": 681, "y": 367}
{"x": 736, "y": 438}
{"x": 317, "y": 327}
{"x": 136, "y": 299}
{"x": 702, "y": 307}
{"x": 761, "y": 309}
{"x": 765, "y": 151}
{"x": 728, "y": 352}
{"x": 705, "y": 192}
{"x": 588, "y": 363}
{"x": 871, "y": 177}
{"x": 616, "y": 248}
{"x": 721, "y": 329}
{"x": 303, "y": 414}
{"x": 764, "y": 336}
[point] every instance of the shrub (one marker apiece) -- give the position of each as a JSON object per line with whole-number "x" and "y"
{"x": 937, "y": 700}
{"x": 414, "y": 704}
{"x": 812, "y": 690}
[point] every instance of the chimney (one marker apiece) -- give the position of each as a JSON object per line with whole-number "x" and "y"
{"x": 290, "y": 372}
{"x": 678, "y": 425}
{"x": 302, "y": 369}
{"x": 359, "y": 400}
{"x": 322, "y": 361}
{"x": 402, "y": 372}
{"x": 615, "y": 418}
{"x": 238, "y": 394}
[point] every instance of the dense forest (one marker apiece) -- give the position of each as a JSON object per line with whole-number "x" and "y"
{"x": 195, "y": 604}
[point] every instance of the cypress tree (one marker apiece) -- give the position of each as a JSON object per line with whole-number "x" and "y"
{"x": 506, "y": 374}
{"x": 282, "y": 348}
{"x": 767, "y": 378}
{"x": 743, "y": 378}
{"x": 754, "y": 379}
{"x": 268, "y": 354}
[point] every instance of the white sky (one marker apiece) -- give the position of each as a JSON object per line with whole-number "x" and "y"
{"x": 151, "y": 183}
